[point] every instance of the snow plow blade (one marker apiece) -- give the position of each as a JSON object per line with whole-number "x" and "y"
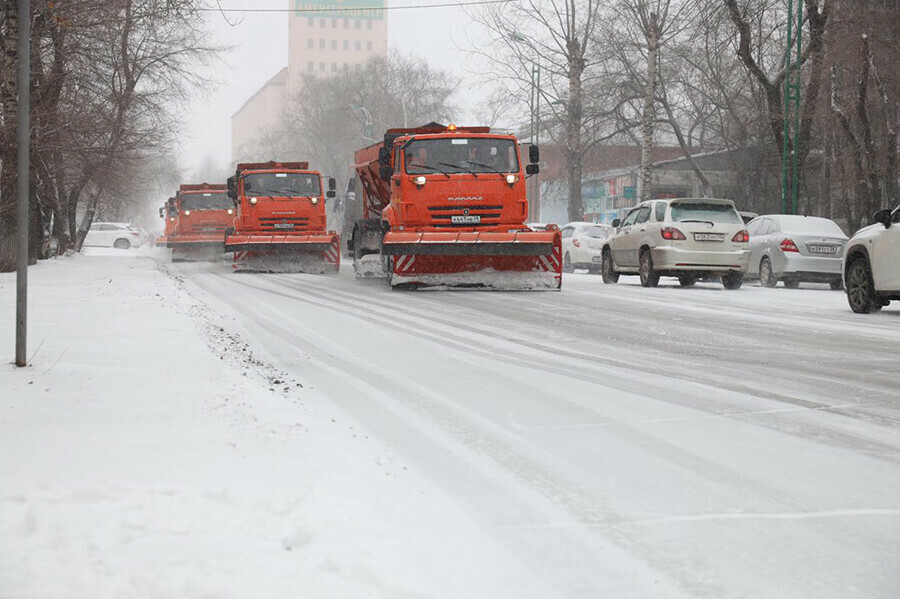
{"x": 285, "y": 253}
{"x": 511, "y": 260}
{"x": 161, "y": 242}
{"x": 196, "y": 248}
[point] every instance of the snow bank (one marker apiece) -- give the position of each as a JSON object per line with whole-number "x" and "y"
{"x": 148, "y": 452}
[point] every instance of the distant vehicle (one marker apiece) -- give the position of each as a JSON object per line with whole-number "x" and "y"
{"x": 115, "y": 235}
{"x": 687, "y": 238}
{"x": 795, "y": 249}
{"x": 748, "y": 216}
{"x": 582, "y": 245}
{"x": 872, "y": 264}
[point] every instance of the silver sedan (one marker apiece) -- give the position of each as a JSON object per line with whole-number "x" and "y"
{"x": 796, "y": 249}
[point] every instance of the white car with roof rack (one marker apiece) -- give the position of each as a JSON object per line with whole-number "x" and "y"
{"x": 687, "y": 238}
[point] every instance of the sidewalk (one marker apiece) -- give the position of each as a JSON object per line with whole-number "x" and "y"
{"x": 147, "y": 452}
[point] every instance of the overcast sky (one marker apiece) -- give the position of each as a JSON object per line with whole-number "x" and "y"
{"x": 260, "y": 50}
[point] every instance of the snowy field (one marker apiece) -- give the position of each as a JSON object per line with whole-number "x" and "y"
{"x": 184, "y": 431}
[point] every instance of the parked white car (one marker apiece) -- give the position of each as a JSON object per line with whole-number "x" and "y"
{"x": 872, "y": 264}
{"x": 115, "y": 235}
{"x": 796, "y": 249}
{"x": 582, "y": 245}
{"x": 688, "y": 238}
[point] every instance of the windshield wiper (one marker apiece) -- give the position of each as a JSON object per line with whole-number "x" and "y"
{"x": 432, "y": 169}
{"x": 456, "y": 166}
{"x": 698, "y": 220}
{"x": 485, "y": 166}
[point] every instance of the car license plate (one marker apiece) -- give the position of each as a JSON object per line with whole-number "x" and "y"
{"x": 709, "y": 236}
{"x": 465, "y": 220}
{"x": 822, "y": 249}
{"x": 284, "y": 226}
{"x": 597, "y": 259}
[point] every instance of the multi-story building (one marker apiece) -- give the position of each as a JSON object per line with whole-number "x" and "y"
{"x": 325, "y": 37}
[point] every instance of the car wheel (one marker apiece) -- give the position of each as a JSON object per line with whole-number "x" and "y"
{"x": 766, "y": 276}
{"x": 860, "y": 288}
{"x": 791, "y": 284}
{"x": 567, "y": 263}
{"x": 608, "y": 269}
{"x": 733, "y": 280}
{"x": 687, "y": 280}
{"x": 122, "y": 244}
{"x": 649, "y": 277}
{"x": 836, "y": 284}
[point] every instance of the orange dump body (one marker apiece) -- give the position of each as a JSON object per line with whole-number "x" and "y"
{"x": 449, "y": 206}
{"x": 280, "y": 224}
{"x": 204, "y": 212}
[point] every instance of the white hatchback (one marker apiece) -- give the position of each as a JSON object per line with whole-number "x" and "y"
{"x": 582, "y": 245}
{"x": 872, "y": 264}
{"x": 116, "y": 235}
{"x": 687, "y": 238}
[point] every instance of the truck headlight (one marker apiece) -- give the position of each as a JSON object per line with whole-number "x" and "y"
{"x": 419, "y": 181}
{"x": 230, "y": 211}
{"x": 512, "y": 179}
{"x": 187, "y": 212}
{"x": 253, "y": 201}
{"x": 314, "y": 201}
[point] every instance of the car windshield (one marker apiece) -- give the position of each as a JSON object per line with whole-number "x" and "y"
{"x": 596, "y": 232}
{"x": 461, "y": 155}
{"x": 205, "y": 201}
{"x": 809, "y": 225}
{"x": 705, "y": 211}
{"x": 282, "y": 185}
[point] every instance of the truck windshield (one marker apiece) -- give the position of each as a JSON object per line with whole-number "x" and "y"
{"x": 705, "y": 211}
{"x": 460, "y": 155}
{"x": 281, "y": 185}
{"x": 205, "y": 201}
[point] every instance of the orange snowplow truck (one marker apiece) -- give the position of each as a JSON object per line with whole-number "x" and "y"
{"x": 446, "y": 206}
{"x": 280, "y": 225}
{"x": 203, "y": 213}
{"x": 169, "y": 214}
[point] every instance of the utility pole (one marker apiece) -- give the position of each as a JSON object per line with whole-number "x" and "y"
{"x": 790, "y": 182}
{"x": 23, "y": 85}
{"x": 534, "y": 109}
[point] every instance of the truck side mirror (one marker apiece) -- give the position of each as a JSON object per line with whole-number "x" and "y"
{"x": 386, "y": 172}
{"x": 162, "y": 212}
{"x": 384, "y": 156}
{"x": 534, "y": 154}
{"x": 232, "y": 188}
{"x": 330, "y": 193}
{"x": 532, "y": 169}
{"x": 332, "y": 184}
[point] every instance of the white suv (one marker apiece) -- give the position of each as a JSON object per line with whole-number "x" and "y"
{"x": 872, "y": 264}
{"x": 117, "y": 235}
{"x": 581, "y": 245}
{"x": 688, "y": 238}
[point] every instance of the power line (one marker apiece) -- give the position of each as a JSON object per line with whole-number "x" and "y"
{"x": 322, "y": 9}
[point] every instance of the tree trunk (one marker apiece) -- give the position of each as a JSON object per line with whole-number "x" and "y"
{"x": 574, "y": 149}
{"x": 8, "y": 154}
{"x": 648, "y": 117}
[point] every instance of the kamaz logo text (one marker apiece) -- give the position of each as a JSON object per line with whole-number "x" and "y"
{"x": 466, "y": 199}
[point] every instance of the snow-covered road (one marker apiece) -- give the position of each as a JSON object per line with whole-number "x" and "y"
{"x": 620, "y": 441}
{"x": 186, "y": 431}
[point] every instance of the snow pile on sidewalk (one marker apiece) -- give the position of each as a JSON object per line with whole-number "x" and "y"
{"x": 146, "y": 452}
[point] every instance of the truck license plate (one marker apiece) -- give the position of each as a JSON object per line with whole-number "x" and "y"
{"x": 465, "y": 220}
{"x": 822, "y": 249}
{"x": 284, "y": 226}
{"x": 709, "y": 236}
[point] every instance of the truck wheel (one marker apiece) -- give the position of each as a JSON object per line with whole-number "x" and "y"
{"x": 649, "y": 277}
